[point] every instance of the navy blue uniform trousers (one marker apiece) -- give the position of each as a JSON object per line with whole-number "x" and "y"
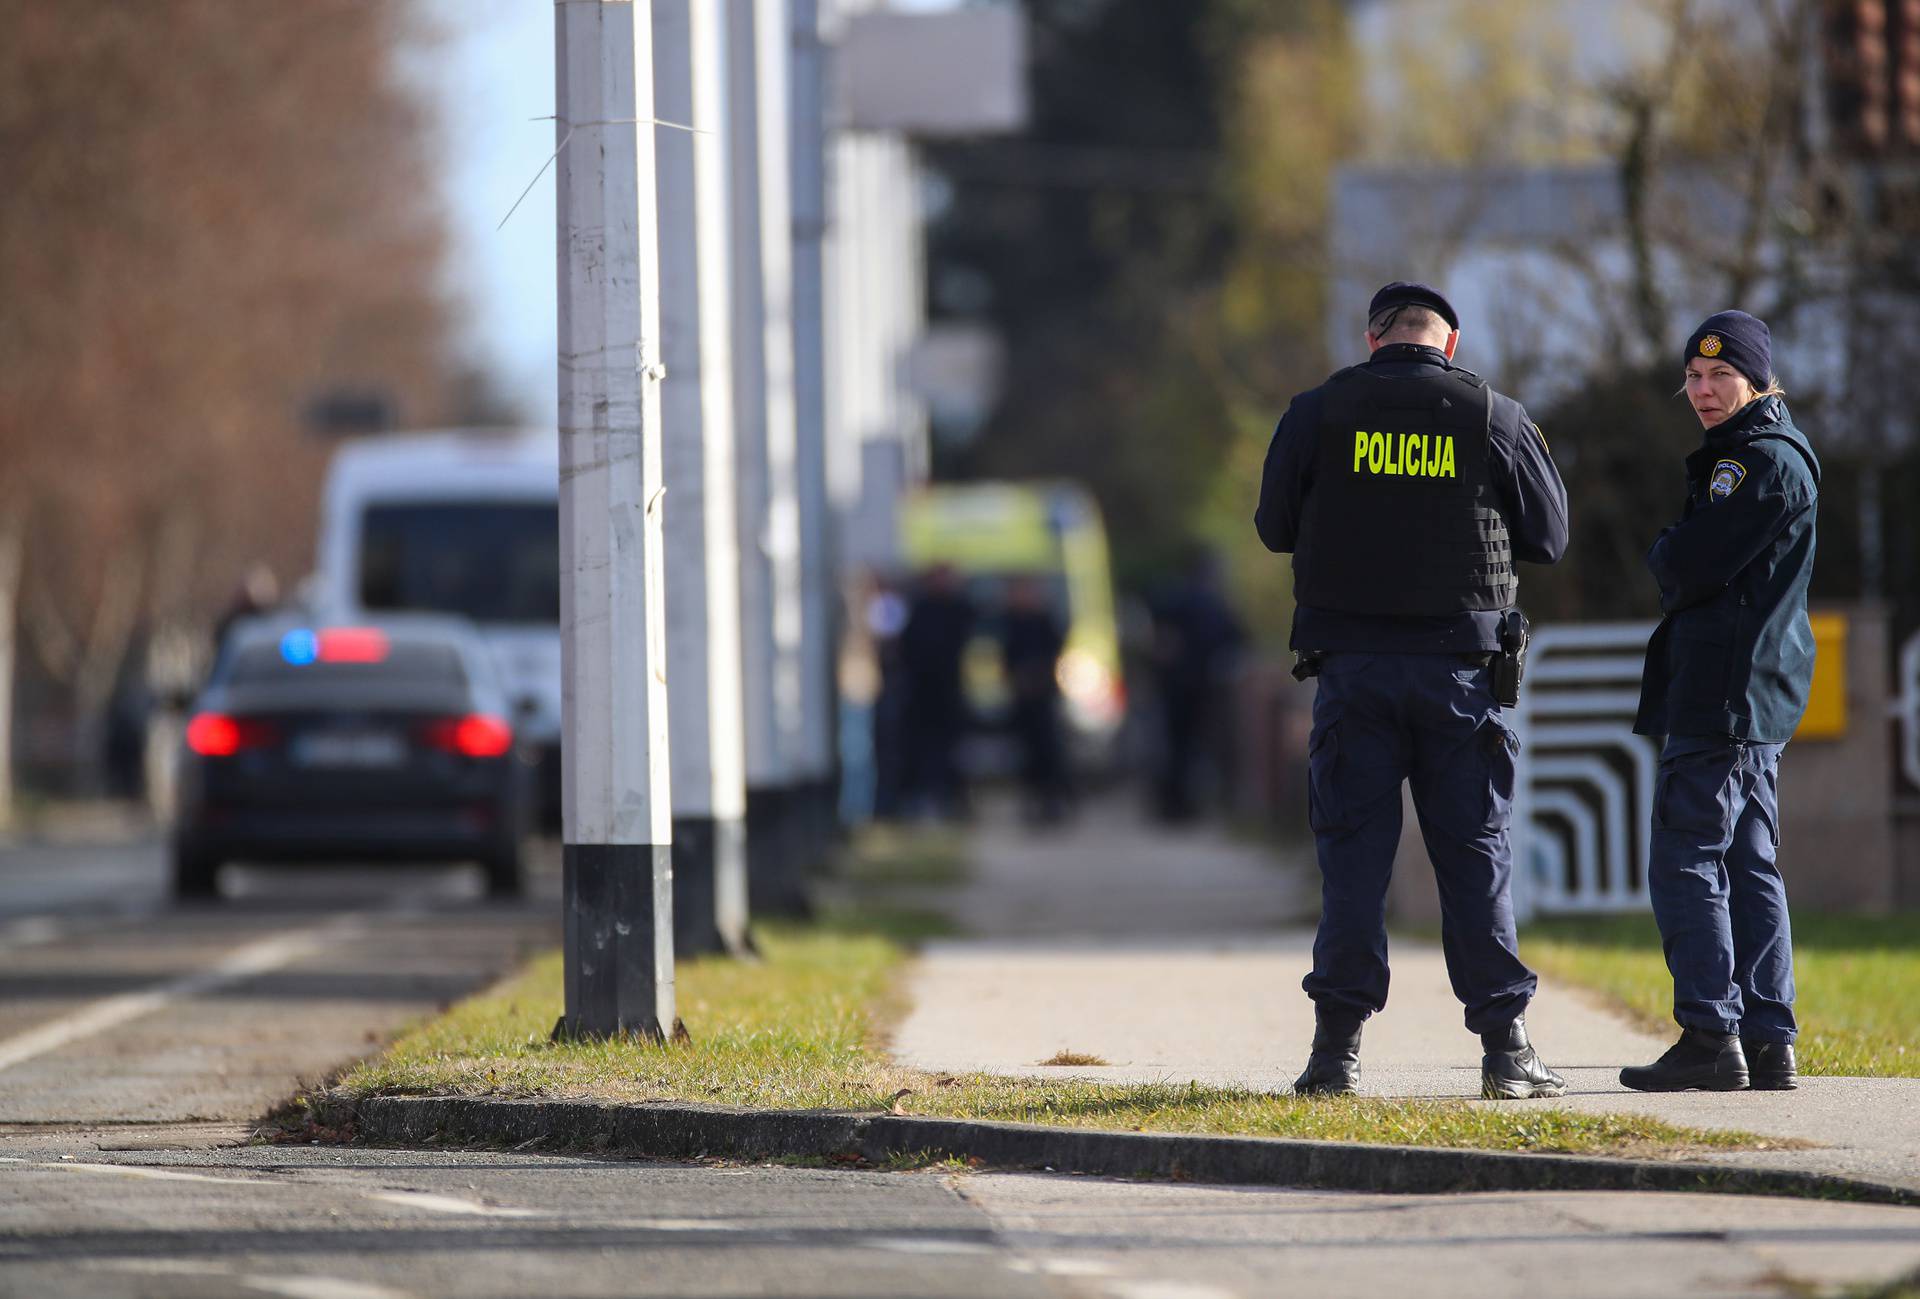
{"x": 1380, "y": 720}
{"x": 1717, "y": 894}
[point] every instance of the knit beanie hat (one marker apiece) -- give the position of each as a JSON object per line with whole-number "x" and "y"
{"x": 1742, "y": 341}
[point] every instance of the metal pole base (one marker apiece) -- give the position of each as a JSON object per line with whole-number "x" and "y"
{"x": 696, "y": 909}
{"x": 617, "y": 912}
{"x": 564, "y": 1032}
{"x": 777, "y": 852}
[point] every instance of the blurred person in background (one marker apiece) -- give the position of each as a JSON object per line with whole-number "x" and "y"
{"x": 1030, "y": 643}
{"x": 1196, "y": 636}
{"x": 940, "y": 620}
{"x": 1405, "y": 489}
{"x": 886, "y": 619}
{"x": 1727, "y": 677}
{"x": 257, "y": 592}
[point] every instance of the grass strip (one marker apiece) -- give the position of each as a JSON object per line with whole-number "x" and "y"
{"x": 886, "y": 856}
{"x": 1857, "y": 981}
{"x": 797, "y": 1031}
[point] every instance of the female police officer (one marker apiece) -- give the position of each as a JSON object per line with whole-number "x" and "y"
{"x": 1726, "y": 682}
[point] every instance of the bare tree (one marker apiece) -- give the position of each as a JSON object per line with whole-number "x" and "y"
{"x": 212, "y": 211}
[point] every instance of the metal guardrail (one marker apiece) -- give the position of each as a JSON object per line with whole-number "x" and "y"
{"x": 1583, "y": 799}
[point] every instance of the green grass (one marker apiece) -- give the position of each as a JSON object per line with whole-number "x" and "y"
{"x": 798, "y": 1030}
{"x": 885, "y": 856}
{"x": 1857, "y": 980}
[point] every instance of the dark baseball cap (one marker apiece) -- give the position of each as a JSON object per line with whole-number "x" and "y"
{"x": 1406, "y": 293}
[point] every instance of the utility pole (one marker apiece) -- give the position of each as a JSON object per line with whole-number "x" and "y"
{"x": 703, "y": 551}
{"x": 819, "y": 692}
{"x": 763, "y": 371}
{"x": 616, "y": 807}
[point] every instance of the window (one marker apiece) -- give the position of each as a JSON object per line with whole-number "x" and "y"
{"x": 493, "y": 562}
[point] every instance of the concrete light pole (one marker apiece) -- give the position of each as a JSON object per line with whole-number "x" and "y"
{"x": 616, "y": 811}
{"x": 703, "y": 551}
{"x": 819, "y": 693}
{"x": 763, "y": 370}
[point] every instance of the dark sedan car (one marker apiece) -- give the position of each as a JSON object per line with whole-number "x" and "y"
{"x": 382, "y": 742}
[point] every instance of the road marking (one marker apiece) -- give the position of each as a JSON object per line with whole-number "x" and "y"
{"x": 451, "y": 1204}
{"x": 161, "y": 1174}
{"x": 679, "y": 1224}
{"x": 159, "y": 1266}
{"x": 917, "y": 1245}
{"x": 320, "y": 1287}
{"x": 1167, "y": 1290}
{"x": 111, "y": 1012}
{"x": 29, "y": 931}
{"x": 1081, "y": 1267}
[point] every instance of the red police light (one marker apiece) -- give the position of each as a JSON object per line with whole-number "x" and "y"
{"x": 216, "y": 735}
{"x": 476, "y": 735}
{"x": 353, "y": 645}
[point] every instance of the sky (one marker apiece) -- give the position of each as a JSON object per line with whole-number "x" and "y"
{"x": 487, "y": 71}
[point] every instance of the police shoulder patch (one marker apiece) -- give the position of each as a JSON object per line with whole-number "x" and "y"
{"x": 1725, "y": 479}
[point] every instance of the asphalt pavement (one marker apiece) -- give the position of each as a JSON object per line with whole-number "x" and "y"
{"x": 324, "y": 1223}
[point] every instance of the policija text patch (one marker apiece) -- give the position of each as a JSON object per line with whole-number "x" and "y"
{"x": 1416, "y": 455}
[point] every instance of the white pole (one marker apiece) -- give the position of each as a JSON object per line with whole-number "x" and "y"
{"x": 819, "y": 624}
{"x": 763, "y": 371}
{"x": 12, "y": 547}
{"x": 703, "y": 550}
{"x": 616, "y": 806}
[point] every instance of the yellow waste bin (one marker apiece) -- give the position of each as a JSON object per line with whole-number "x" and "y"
{"x": 1826, "y": 717}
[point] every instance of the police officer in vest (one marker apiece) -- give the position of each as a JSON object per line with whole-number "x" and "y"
{"x": 1406, "y": 489}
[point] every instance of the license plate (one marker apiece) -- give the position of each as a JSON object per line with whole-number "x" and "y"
{"x": 361, "y": 749}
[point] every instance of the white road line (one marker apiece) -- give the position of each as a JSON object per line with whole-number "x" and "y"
{"x": 1167, "y": 1290}
{"x": 151, "y": 1174}
{"x": 158, "y": 1266}
{"x": 918, "y": 1245}
{"x": 676, "y": 1224}
{"x": 29, "y": 931}
{"x": 111, "y": 1012}
{"x": 1065, "y": 1267}
{"x": 320, "y": 1287}
{"x": 293, "y": 1287}
{"x": 451, "y": 1204}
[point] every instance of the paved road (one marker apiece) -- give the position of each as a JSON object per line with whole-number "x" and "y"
{"x": 117, "y": 1007}
{"x": 332, "y": 1224}
{"x": 138, "y": 1041}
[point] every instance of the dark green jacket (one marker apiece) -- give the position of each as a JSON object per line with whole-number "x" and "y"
{"x": 1734, "y": 654}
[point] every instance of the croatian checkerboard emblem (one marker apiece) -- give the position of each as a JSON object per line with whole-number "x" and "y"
{"x": 1727, "y": 475}
{"x": 1710, "y": 345}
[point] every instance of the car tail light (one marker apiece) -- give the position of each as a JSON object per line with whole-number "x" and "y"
{"x": 476, "y": 735}
{"x": 216, "y": 735}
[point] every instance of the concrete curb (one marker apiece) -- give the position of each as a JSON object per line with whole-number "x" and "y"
{"x": 676, "y": 1131}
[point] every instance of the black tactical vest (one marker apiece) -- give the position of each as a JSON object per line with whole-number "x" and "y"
{"x": 1401, "y": 518}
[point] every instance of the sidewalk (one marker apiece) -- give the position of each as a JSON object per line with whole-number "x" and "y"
{"x": 1178, "y": 957}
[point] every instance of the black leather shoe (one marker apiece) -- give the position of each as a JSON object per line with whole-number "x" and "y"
{"x": 1333, "y": 1068}
{"x": 1511, "y": 1070}
{"x": 1770, "y": 1065}
{"x": 1699, "y": 1061}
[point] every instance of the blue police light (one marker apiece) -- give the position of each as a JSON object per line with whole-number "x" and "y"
{"x": 300, "y": 647}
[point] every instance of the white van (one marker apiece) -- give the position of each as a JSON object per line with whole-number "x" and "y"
{"x": 458, "y": 521}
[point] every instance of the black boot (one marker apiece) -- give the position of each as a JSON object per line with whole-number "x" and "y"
{"x": 1708, "y": 1062}
{"x": 1333, "y": 1069}
{"x": 1511, "y": 1070}
{"x": 1770, "y": 1065}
